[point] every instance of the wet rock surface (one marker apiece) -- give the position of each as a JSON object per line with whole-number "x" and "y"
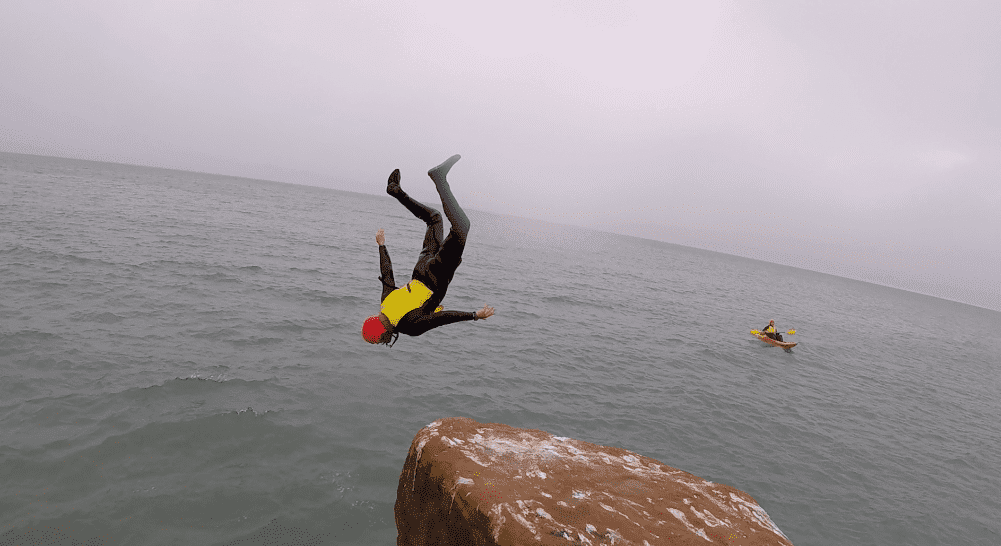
{"x": 468, "y": 483}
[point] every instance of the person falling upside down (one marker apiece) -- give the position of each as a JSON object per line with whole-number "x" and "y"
{"x": 414, "y": 308}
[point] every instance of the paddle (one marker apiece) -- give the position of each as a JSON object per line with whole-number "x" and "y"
{"x": 790, "y": 332}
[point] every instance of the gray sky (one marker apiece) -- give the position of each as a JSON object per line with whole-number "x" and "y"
{"x": 860, "y": 138}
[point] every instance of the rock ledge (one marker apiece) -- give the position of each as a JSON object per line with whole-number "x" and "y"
{"x": 467, "y": 483}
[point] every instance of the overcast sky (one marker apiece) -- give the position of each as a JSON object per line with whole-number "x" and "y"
{"x": 860, "y": 138}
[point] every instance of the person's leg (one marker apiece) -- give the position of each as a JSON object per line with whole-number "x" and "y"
{"x": 432, "y": 246}
{"x": 420, "y": 210}
{"x": 432, "y": 237}
{"x": 442, "y": 267}
{"x": 454, "y": 213}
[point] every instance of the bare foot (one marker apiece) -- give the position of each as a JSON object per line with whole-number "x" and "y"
{"x": 438, "y": 173}
{"x": 393, "y": 187}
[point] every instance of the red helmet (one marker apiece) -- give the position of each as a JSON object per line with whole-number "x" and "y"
{"x": 372, "y": 329}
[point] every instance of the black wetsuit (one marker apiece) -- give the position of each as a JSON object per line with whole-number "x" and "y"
{"x": 436, "y": 264}
{"x": 774, "y": 335}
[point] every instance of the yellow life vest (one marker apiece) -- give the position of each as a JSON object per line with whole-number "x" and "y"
{"x": 405, "y": 299}
{"x": 770, "y": 329}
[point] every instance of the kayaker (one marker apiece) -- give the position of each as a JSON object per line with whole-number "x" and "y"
{"x": 771, "y": 332}
{"x": 413, "y": 308}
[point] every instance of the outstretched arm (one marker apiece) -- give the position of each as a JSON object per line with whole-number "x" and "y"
{"x": 422, "y": 323}
{"x": 385, "y": 266}
{"x": 417, "y": 325}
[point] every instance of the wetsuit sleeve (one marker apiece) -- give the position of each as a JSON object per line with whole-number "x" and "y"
{"x": 386, "y": 267}
{"x": 416, "y": 324}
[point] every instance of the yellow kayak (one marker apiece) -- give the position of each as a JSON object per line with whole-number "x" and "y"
{"x": 775, "y": 342}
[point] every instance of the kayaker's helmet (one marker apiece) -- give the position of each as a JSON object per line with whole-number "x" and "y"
{"x": 372, "y": 329}
{"x": 771, "y": 323}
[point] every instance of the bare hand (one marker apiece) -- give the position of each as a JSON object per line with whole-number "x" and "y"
{"x": 380, "y": 237}
{"x": 485, "y": 312}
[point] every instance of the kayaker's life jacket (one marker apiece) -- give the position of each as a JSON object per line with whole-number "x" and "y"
{"x": 770, "y": 329}
{"x": 405, "y": 299}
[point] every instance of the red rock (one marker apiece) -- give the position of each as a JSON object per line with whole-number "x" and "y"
{"x": 469, "y": 484}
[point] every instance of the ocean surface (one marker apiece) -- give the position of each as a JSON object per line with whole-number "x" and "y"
{"x": 181, "y": 363}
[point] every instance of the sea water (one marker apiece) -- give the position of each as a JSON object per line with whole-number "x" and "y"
{"x": 181, "y": 363}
